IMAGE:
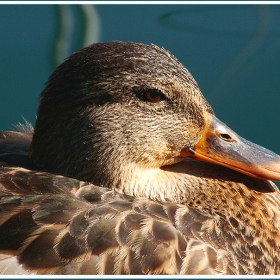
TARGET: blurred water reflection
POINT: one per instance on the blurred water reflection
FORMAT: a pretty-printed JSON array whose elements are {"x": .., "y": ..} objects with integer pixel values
[{"x": 77, "y": 26}]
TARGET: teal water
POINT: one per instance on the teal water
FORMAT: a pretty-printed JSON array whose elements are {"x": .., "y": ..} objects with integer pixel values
[{"x": 231, "y": 50}]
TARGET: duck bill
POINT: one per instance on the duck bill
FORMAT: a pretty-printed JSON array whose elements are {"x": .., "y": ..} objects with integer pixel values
[{"x": 221, "y": 145}]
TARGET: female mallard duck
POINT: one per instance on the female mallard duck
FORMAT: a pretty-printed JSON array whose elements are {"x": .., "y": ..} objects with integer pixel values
[{"x": 128, "y": 127}]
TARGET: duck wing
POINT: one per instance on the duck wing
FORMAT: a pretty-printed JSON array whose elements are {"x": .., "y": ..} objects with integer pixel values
[{"x": 51, "y": 224}]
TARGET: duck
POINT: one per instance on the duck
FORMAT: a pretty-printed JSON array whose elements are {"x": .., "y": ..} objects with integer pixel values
[{"x": 128, "y": 171}]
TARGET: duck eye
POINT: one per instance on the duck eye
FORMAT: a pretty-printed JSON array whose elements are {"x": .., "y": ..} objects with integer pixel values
[{"x": 154, "y": 95}]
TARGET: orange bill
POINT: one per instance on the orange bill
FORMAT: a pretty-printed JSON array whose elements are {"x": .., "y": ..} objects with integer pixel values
[{"x": 221, "y": 145}]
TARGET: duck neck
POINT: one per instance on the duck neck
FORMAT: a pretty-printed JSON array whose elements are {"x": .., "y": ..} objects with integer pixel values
[{"x": 197, "y": 184}]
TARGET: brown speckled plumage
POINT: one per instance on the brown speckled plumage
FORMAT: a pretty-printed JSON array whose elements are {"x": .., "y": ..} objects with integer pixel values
[{"x": 106, "y": 189}]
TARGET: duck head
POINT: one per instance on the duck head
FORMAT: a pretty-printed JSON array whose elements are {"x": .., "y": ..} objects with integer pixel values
[{"x": 130, "y": 117}]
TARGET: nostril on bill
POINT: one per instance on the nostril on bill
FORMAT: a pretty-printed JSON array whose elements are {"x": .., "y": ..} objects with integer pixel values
[{"x": 226, "y": 137}]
